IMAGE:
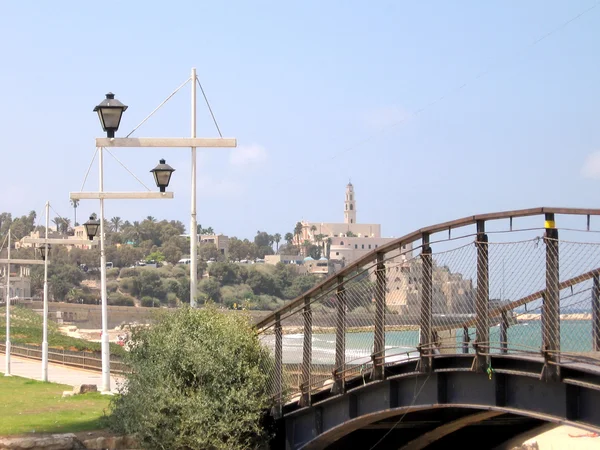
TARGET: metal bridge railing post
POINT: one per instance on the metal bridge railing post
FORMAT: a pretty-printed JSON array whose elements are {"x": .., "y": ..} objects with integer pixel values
[
  {"x": 278, "y": 367},
  {"x": 340, "y": 338},
  {"x": 465, "y": 340},
  {"x": 426, "y": 306},
  {"x": 596, "y": 313},
  {"x": 482, "y": 300},
  {"x": 504, "y": 332},
  {"x": 305, "y": 387},
  {"x": 378, "y": 355},
  {"x": 551, "y": 305}
]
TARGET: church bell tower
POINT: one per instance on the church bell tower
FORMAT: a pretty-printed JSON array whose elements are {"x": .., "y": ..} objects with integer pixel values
[{"x": 350, "y": 205}]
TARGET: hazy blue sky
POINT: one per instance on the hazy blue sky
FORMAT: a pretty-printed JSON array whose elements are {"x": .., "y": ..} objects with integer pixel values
[{"x": 316, "y": 93}]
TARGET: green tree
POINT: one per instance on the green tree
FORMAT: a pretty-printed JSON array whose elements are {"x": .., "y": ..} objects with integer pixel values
[
  {"x": 156, "y": 256},
  {"x": 216, "y": 392},
  {"x": 224, "y": 273},
  {"x": 211, "y": 288},
  {"x": 261, "y": 283},
  {"x": 208, "y": 251}
]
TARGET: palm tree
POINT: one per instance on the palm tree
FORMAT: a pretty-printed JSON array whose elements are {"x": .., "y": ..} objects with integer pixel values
[
  {"x": 63, "y": 225},
  {"x": 306, "y": 246},
  {"x": 57, "y": 221},
  {"x": 298, "y": 231},
  {"x": 289, "y": 237},
  {"x": 116, "y": 224},
  {"x": 151, "y": 219},
  {"x": 75, "y": 204},
  {"x": 313, "y": 229},
  {"x": 277, "y": 238}
]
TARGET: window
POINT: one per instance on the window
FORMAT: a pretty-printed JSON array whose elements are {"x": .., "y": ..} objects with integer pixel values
[
  {"x": 363, "y": 246},
  {"x": 369, "y": 246},
  {"x": 337, "y": 253},
  {"x": 341, "y": 242},
  {"x": 350, "y": 197},
  {"x": 375, "y": 245},
  {"x": 351, "y": 206},
  {"x": 351, "y": 221},
  {"x": 355, "y": 246},
  {"x": 346, "y": 207}
]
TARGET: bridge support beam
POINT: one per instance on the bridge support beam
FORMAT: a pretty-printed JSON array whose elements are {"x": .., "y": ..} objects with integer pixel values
[
  {"x": 278, "y": 381},
  {"x": 596, "y": 314},
  {"x": 305, "y": 387},
  {"x": 426, "y": 306},
  {"x": 340, "y": 338},
  {"x": 378, "y": 355},
  {"x": 551, "y": 304},
  {"x": 482, "y": 301}
]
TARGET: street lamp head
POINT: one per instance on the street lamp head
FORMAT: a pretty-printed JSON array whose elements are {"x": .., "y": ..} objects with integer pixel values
[
  {"x": 44, "y": 251},
  {"x": 91, "y": 227},
  {"x": 162, "y": 175},
  {"x": 110, "y": 111}
]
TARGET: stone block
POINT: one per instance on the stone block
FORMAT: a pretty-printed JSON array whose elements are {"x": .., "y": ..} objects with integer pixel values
[{"x": 84, "y": 388}]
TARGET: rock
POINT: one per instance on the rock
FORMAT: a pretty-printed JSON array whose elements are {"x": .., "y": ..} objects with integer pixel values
[
  {"x": 68, "y": 394},
  {"x": 53, "y": 442},
  {"x": 84, "y": 388}
]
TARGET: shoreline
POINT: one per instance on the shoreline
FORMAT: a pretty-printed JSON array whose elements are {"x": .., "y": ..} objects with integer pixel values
[{"x": 522, "y": 318}]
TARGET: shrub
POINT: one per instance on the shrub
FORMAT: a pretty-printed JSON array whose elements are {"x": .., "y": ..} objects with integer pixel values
[
  {"x": 117, "y": 299},
  {"x": 150, "y": 302},
  {"x": 216, "y": 394},
  {"x": 172, "y": 300},
  {"x": 112, "y": 286},
  {"x": 112, "y": 274},
  {"x": 129, "y": 285},
  {"x": 128, "y": 272}
]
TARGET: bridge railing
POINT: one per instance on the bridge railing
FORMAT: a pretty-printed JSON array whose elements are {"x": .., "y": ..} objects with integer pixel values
[
  {"x": 454, "y": 288},
  {"x": 79, "y": 359}
]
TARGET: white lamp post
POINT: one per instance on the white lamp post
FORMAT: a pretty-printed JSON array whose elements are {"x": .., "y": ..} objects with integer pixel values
[
  {"x": 193, "y": 142},
  {"x": 110, "y": 112},
  {"x": 8, "y": 261},
  {"x": 44, "y": 248}
]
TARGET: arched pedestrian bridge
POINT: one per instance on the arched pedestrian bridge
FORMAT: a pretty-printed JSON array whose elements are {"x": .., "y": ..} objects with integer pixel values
[{"x": 487, "y": 323}]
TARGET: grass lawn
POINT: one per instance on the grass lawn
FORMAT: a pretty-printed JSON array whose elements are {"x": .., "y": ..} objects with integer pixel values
[
  {"x": 28, "y": 406},
  {"x": 26, "y": 328}
]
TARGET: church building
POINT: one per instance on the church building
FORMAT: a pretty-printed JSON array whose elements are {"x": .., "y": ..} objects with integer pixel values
[{"x": 348, "y": 240}]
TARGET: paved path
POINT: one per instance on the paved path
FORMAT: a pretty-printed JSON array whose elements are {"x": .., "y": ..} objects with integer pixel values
[{"x": 57, "y": 373}]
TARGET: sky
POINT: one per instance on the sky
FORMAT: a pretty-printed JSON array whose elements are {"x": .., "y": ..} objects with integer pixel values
[{"x": 434, "y": 110}]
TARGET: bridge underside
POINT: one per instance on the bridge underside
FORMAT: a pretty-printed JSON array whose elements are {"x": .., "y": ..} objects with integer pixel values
[
  {"x": 414, "y": 410},
  {"x": 440, "y": 428}
]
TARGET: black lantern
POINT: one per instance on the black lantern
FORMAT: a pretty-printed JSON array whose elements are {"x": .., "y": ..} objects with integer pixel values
[
  {"x": 43, "y": 252},
  {"x": 162, "y": 174},
  {"x": 91, "y": 227},
  {"x": 110, "y": 111}
]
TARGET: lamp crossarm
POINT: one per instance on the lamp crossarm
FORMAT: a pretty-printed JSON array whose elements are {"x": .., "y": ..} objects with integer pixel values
[
  {"x": 167, "y": 142},
  {"x": 120, "y": 195}
]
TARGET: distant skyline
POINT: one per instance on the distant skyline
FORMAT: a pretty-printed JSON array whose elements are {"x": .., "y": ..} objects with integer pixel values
[{"x": 435, "y": 110}]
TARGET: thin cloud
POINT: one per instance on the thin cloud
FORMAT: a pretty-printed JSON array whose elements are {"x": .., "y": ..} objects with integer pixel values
[
  {"x": 247, "y": 154},
  {"x": 591, "y": 167}
]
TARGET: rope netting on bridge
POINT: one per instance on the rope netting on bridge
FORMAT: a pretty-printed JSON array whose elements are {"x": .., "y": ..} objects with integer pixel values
[{"x": 532, "y": 296}]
